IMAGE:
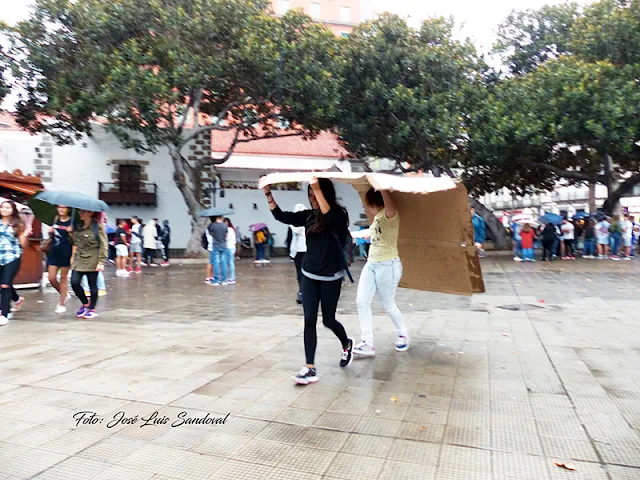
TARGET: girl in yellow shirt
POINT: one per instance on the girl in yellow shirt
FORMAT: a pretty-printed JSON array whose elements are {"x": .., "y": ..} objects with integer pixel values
[{"x": 381, "y": 273}]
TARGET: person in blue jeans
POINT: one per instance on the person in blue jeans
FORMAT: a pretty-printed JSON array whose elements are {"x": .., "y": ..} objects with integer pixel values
[
  {"x": 590, "y": 239},
  {"x": 218, "y": 231}
]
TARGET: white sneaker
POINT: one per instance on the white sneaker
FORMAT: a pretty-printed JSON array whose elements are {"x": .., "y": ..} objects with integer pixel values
[
  {"x": 3, "y": 320},
  {"x": 402, "y": 343},
  {"x": 517, "y": 259},
  {"x": 364, "y": 350},
  {"x": 60, "y": 309}
]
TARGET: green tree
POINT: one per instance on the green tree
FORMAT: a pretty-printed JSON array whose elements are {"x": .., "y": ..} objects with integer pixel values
[
  {"x": 404, "y": 92},
  {"x": 569, "y": 109},
  {"x": 157, "y": 73},
  {"x": 528, "y": 38},
  {"x": 569, "y": 120},
  {"x": 5, "y": 87}
]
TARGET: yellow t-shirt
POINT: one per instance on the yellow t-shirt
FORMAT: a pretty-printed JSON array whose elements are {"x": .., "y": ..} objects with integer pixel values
[{"x": 384, "y": 237}]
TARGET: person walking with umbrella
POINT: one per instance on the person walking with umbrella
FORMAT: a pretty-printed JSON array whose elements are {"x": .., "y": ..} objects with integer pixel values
[
  {"x": 13, "y": 238},
  {"x": 59, "y": 255},
  {"x": 90, "y": 244},
  {"x": 324, "y": 267}
]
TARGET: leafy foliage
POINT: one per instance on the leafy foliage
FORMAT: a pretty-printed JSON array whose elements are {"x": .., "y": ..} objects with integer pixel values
[
  {"x": 156, "y": 73},
  {"x": 404, "y": 92}
]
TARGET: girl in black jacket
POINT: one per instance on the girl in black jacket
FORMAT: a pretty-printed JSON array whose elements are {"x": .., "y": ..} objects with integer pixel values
[{"x": 324, "y": 266}]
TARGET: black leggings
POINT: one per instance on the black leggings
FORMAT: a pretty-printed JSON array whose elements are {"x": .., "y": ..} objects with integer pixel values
[
  {"x": 92, "y": 278},
  {"x": 298, "y": 261},
  {"x": 568, "y": 248},
  {"x": 165, "y": 251},
  {"x": 547, "y": 248},
  {"x": 316, "y": 294},
  {"x": 7, "y": 273}
]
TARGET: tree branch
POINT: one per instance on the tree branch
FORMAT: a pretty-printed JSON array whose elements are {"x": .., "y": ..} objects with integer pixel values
[
  {"x": 565, "y": 173},
  {"x": 623, "y": 189}
]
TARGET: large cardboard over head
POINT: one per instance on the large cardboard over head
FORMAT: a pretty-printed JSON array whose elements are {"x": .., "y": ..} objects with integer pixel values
[{"x": 436, "y": 236}]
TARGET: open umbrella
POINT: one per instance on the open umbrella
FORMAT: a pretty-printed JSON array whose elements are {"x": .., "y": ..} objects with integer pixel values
[
  {"x": 257, "y": 227},
  {"x": 581, "y": 215},
  {"x": 215, "y": 212},
  {"x": 530, "y": 221},
  {"x": 520, "y": 216},
  {"x": 551, "y": 218},
  {"x": 44, "y": 204}
]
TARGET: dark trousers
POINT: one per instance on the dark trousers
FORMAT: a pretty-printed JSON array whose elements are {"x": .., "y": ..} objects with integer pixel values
[
  {"x": 92, "y": 278},
  {"x": 547, "y": 248},
  {"x": 149, "y": 253},
  {"x": 7, "y": 273},
  {"x": 325, "y": 295},
  {"x": 260, "y": 251},
  {"x": 568, "y": 248},
  {"x": 165, "y": 250},
  {"x": 298, "y": 261}
]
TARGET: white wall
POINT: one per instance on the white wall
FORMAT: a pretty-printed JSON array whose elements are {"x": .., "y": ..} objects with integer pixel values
[
  {"x": 245, "y": 215},
  {"x": 80, "y": 168}
]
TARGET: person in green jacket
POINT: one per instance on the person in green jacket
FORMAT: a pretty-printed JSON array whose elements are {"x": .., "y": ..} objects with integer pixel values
[{"x": 90, "y": 247}]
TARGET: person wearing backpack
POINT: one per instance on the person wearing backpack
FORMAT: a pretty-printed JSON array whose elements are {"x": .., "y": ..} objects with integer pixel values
[
  {"x": 323, "y": 268},
  {"x": 381, "y": 274},
  {"x": 90, "y": 247}
]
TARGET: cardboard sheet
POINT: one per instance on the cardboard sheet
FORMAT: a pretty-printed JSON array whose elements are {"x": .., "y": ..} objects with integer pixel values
[{"x": 436, "y": 236}]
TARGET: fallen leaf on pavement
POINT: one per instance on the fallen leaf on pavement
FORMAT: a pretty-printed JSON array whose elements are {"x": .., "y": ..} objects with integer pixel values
[
  {"x": 564, "y": 465},
  {"x": 423, "y": 428},
  {"x": 505, "y": 334},
  {"x": 394, "y": 399},
  {"x": 542, "y": 301}
]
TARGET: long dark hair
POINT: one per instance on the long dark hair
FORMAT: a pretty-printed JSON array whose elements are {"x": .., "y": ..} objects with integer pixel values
[
  {"x": 15, "y": 220},
  {"x": 329, "y": 192},
  {"x": 229, "y": 223}
]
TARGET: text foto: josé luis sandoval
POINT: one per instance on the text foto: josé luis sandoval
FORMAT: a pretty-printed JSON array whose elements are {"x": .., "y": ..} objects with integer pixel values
[{"x": 87, "y": 417}]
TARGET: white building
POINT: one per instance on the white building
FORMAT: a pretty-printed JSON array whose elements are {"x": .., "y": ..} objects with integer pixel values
[{"x": 143, "y": 185}]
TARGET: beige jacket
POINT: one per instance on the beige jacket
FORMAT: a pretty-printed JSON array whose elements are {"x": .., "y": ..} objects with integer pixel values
[{"x": 89, "y": 250}]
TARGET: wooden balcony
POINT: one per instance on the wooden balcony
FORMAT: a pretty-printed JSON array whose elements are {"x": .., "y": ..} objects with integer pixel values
[{"x": 128, "y": 194}]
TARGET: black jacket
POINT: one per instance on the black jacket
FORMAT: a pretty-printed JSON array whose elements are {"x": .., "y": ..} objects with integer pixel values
[
  {"x": 549, "y": 233},
  {"x": 324, "y": 256}
]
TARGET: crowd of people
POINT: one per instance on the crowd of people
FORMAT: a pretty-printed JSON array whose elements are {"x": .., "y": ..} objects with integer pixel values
[
  {"x": 614, "y": 238},
  {"x": 136, "y": 245}
]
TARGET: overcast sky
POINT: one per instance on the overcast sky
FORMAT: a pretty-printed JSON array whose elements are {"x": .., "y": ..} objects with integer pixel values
[{"x": 475, "y": 19}]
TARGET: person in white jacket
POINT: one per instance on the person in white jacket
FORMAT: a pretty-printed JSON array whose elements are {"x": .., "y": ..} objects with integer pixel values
[
  {"x": 230, "y": 259},
  {"x": 150, "y": 237},
  {"x": 298, "y": 249}
]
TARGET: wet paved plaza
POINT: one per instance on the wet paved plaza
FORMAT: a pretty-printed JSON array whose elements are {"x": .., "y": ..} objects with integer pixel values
[{"x": 544, "y": 367}]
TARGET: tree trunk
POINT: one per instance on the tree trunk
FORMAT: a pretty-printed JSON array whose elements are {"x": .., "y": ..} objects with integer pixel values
[
  {"x": 592, "y": 198},
  {"x": 194, "y": 246},
  {"x": 611, "y": 204},
  {"x": 495, "y": 230}
]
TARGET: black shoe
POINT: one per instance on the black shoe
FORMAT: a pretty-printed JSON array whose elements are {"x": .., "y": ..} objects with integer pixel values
[
  {"x": 299, "y": 298},
  {"x": 306, "y": 376},
  {"x": 347, "y": 355}
]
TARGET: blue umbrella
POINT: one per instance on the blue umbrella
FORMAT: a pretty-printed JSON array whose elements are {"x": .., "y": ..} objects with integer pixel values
[
  {"x": 44, "y": 204},
  {"x": 111, "y": 229},
  {"x": 215, "y": 212},
  {"x": 551, "y": 218},
  {"x": 581, "y": 215}
]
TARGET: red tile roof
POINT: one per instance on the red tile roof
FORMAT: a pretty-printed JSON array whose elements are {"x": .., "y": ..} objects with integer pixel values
[
  {"x": 325, "y": 145},
  {"x": 8, "y": 122}
]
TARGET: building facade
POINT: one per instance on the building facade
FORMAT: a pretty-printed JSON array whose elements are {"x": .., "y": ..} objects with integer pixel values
[
  {"x": 341, "y": 16},
  {"x": 143, "y": 185}
]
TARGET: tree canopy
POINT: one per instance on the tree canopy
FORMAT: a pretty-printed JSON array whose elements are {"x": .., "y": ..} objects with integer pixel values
[
  {"x": 156, "y": 73},
  {"x": 568, "y": 108},
  {"x": 404, "y": 91}
]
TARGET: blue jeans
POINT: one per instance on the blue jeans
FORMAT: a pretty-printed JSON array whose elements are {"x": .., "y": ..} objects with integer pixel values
[
  {"x": 219, "y": 255},
  {"x": 517, "y": 252},
  {"x": 230, "y": 262},
  {"x": 616, "y": 240},
  {"x": 260, "y": 251},
  {"x": 101, "y": 284},
  {"x": 383, "y": 278},
  {"x": 527, "y": 253},
  {"x": 589, "y": 246}
]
